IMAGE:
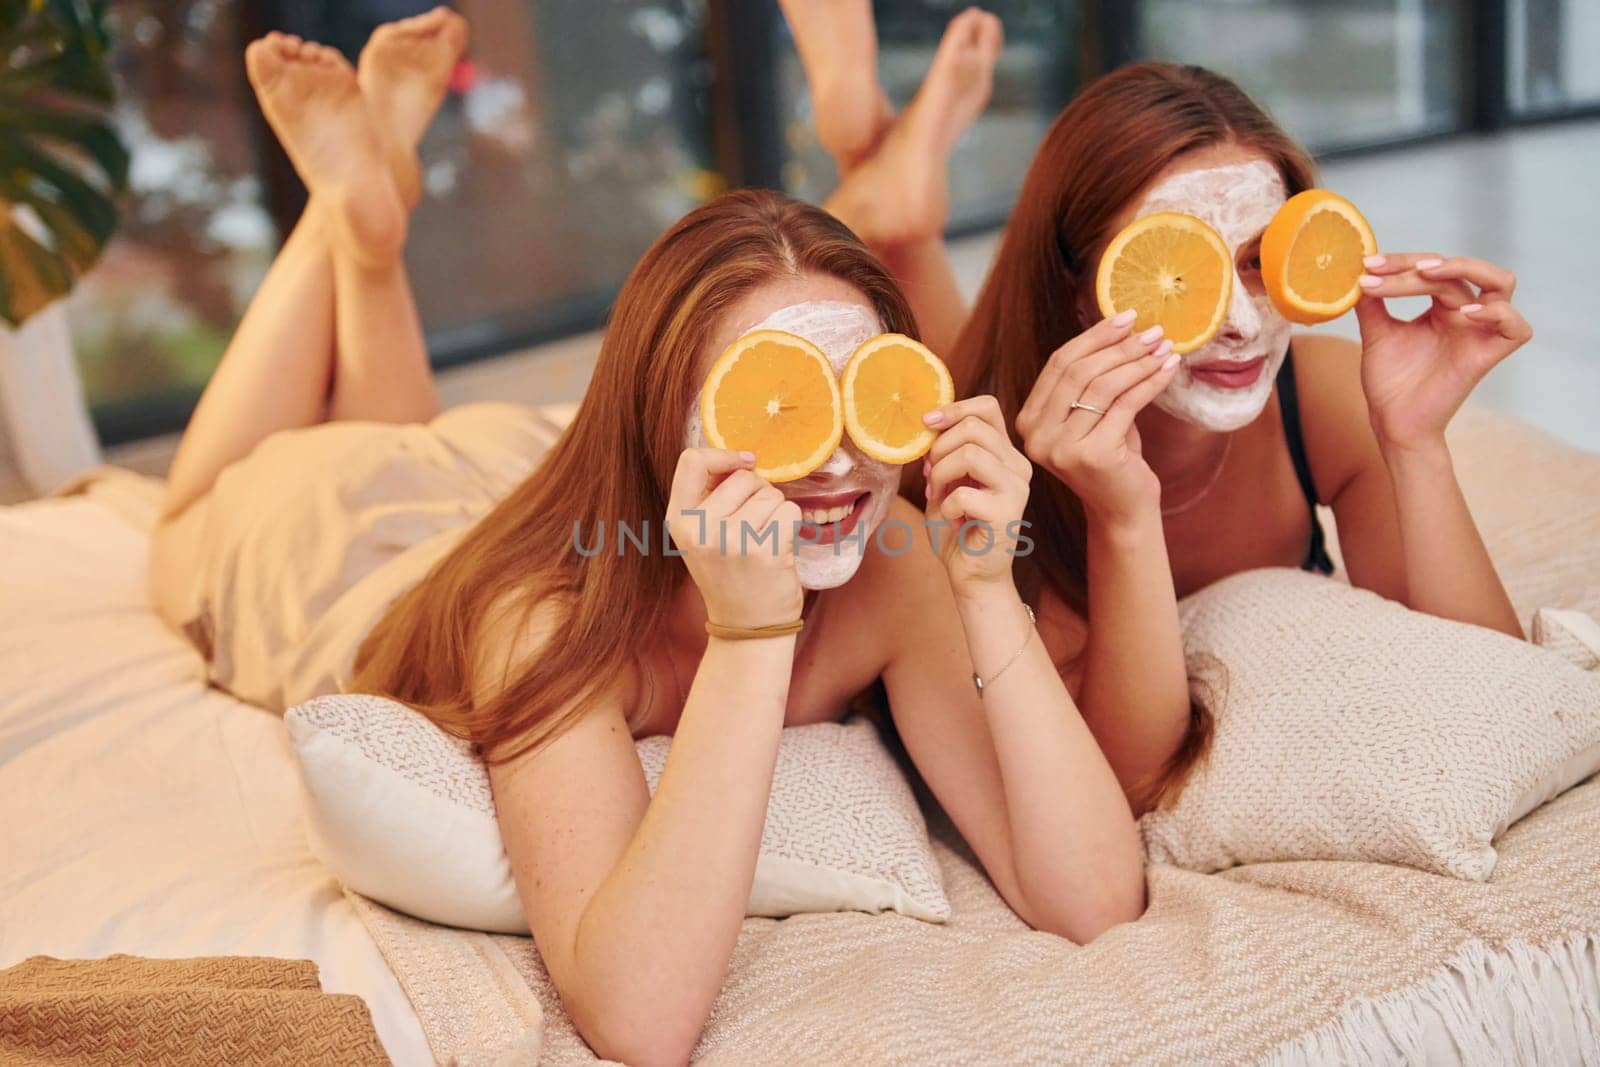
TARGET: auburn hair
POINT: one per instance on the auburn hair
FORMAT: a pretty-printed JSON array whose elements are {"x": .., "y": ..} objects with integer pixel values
[
  {"x": 1114, "y": 138},
  {"x": 613, "y": 464}
]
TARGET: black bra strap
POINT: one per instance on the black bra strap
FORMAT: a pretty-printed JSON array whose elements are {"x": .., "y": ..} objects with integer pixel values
[{"x": 1317, "y": 557}]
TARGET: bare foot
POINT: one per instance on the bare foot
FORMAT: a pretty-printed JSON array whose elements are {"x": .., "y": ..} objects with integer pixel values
[
  {"x": 311, "y": 99},
  {"x": 838, "y": 48},
  {"x": 900, "y": 195},
  {"x": 403, "y": 72}
]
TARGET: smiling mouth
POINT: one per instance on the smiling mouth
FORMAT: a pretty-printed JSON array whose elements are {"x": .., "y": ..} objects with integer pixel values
[
  {"x": 828, "y": 517},
  {"x": 1228, "y": 374}
]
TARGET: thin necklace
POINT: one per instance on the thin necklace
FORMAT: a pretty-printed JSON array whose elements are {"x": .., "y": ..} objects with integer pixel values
[{"x": 1211, "y": 483}]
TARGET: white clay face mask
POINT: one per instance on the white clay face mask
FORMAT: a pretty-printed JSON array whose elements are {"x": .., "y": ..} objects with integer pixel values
[
  {"x": 837, "y": 328},
  {"x": 1238, "y": 201}
]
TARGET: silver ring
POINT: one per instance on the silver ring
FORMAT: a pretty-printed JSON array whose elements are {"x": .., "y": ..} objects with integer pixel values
[{"x": 1078, "y": 405}]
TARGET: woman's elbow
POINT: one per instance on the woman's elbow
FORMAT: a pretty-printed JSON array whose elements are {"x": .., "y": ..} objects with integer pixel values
[
  {"x": 1115, "y": 899},
  {"x": 637, "y": 1034}
]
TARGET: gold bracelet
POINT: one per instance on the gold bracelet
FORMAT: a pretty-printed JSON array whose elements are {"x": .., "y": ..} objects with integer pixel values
[
  {"x": 751, "y": 633},
  {"x": 979, "y": 682}
]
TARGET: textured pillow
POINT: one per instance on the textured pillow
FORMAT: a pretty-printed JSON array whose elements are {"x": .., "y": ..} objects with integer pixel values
[
  {"x": 1351, "y": 728},
  {"x": 402, "y": 813}
]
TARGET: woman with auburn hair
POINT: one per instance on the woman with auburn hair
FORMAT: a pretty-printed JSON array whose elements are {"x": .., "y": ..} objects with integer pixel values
[
  {"x": 1166, "y": 474},
  {"x": 552, "y": 657}
]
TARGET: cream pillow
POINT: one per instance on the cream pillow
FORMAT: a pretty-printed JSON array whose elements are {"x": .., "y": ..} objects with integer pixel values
[
  {"x": 1350, "y": 728},
  {"x": 402, "y": 812}
]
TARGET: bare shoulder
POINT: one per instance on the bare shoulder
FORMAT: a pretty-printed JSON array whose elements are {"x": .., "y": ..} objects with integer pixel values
[
  {"x": 1333, "y": 411},
  {"x": 512, "y": 633}
]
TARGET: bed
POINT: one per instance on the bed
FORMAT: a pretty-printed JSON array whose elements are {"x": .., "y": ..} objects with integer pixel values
[{"x": 145, "y": 813}]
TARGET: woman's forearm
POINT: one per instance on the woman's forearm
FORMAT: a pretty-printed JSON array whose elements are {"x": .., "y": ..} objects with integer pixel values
[
  {"x": 1135, "y": 691},
  {"x": 1448, "y": 569},
  {"x": 653, "y": 945},
  {"x": 1075, "y": 848}
]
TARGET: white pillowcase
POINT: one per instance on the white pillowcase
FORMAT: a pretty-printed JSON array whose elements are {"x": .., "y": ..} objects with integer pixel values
[
  {"x": 1351, "y": 728},
  {"x": 402, "y": 812}
]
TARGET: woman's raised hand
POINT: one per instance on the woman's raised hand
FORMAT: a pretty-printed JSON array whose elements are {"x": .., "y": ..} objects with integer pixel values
[
  {"x": 1078, "y": 424},
  {"x": 736, "y": 532},
  {"x": 977, "y": 483},
  {"x": 1417, "y": 373}
]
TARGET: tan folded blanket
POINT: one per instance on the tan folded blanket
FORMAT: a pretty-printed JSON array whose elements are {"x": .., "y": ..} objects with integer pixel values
[{"x": 228, "y": 1010}]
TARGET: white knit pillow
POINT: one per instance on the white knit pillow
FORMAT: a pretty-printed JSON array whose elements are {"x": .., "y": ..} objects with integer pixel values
[
  {"x": 402, "y": 813},
  {"x": 1350, "y": 728}
]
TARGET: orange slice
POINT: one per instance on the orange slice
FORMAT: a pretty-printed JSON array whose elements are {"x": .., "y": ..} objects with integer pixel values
[
  {"x": 890, "y": 382},
  {"x": 1311, "y": 256},
  {"x": 1174, "y": 271},
  {"x": 774, "y": 394}
]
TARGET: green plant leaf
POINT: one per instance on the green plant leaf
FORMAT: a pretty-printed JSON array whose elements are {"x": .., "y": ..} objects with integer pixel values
[{"x": 61, "y": 161}]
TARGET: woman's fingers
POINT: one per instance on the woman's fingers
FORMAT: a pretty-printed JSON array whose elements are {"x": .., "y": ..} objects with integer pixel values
[
  {"x": 1447, "y": 292},
  {"x": 701, "y": 468},
  {"x": 970, "y": 461},
  {"x": 986, "y": 429},
  {"x": 1497, "y": 283},
  {"x": 1395, "y": 262},
  {"x": 732, "y": 494},
  {"x": 981, "y": 408},
  {"x": 1100, "y": 337},
  {"x": 756, "y": 515},
  {"x": 1103, "y": 392},
  {"x": 1078, "y": 378},
  {"x": 1501, "y": 318},
  {"x": 1118, "y": 419},
  {"x": 969, "y": 503}
]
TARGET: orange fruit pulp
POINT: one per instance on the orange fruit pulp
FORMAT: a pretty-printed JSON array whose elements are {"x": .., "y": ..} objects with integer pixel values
[
  {"x": 1311, "y": 256},
  {"x": 1174, "y": 271},
  {"x": 889, "y": 384},
  {"x": 774, "y": 394}
]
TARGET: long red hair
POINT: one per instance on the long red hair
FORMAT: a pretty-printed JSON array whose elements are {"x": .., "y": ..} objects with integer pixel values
[
  {"x": 1115, "y": 137},
  {"x": 614, "y": 464}
]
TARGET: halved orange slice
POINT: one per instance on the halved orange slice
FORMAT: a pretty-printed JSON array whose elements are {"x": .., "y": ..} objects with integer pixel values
[
  {"x": 774, "y": 394},
  {"x": 890, "y": 382},
  {"x": 1311, "y": 256},
  {"x": 1174, "y": 271}
]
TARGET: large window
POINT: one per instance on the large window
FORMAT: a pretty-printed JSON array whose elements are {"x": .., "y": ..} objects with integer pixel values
[
  {"x": 1553, "y": 55},
  {"x": 576, "y": 131},
  {"x": 1334, "y": 74}
]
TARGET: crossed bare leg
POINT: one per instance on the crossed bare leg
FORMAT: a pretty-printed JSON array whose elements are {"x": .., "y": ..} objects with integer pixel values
[
  {"x": 893, "y": 189},
  {"x": 332, "y": 332},
  {"x": 404, "y": 70},
  {"x": 314, "y": 105},
  {"x": 838, "y": 47}
]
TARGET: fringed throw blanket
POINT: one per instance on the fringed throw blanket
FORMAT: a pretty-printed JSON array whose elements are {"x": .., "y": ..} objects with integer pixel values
[
  {"x": 231, "y": 1010},
  {"x": 1289, "y": 962}
]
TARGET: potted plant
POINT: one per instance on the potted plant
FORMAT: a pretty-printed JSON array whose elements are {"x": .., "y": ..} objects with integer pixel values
[{"x": 61, "y": 168}]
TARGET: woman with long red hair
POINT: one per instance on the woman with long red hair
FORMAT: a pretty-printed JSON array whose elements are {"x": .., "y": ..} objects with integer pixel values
[
  {"x": 553, "y": 655},
  {"x": 1164, "y": 474}
]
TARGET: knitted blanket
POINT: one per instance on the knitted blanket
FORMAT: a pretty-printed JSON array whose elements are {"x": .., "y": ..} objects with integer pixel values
[
  {"x": 230, "y": 1010},
  {"x": 1285, "y": 962}
]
